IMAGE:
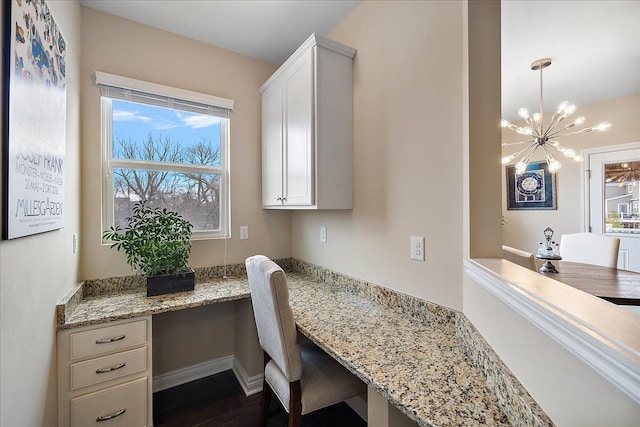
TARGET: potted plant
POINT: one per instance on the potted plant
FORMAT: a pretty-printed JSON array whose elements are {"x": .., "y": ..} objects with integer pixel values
[{"x": 157, "y": 243}]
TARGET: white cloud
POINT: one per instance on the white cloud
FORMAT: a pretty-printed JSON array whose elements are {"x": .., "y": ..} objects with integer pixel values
[
  {"x": 166, "y": 126},
  {"x": 196, "y": 122},
  {"x": 129, "y": 116}
]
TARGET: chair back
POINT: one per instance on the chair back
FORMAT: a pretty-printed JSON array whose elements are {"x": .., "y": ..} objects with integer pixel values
[
  {"x": 516, "y": 256},
  {"x": 589, "y": 248},
  {"x": 274, "y": 318}
]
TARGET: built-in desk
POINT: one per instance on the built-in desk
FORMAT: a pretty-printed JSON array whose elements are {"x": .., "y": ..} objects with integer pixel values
[{"x": 426, "y": 360}]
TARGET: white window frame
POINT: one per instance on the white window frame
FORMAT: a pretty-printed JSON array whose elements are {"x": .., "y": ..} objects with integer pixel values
[{"x": 109, "y": 163}]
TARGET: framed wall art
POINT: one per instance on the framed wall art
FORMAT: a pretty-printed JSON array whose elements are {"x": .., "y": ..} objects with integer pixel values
[
  {"x": 34, "y": 120},
  {"x": 535, "y": 188}
]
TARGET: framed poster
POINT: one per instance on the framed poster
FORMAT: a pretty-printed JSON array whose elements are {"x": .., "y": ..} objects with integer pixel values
[
  {"x": 535, "y": 188},
  {"x": 34, "y": 120}
]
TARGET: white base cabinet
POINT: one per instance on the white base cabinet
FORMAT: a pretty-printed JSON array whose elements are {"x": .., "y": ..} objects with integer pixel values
[
  {"x": 104, "y": 374},
  {"x": 307, "y": 129}
]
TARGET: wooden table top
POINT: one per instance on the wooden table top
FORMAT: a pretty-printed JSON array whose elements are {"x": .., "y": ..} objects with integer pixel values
[{"x": 617, "y": 286}]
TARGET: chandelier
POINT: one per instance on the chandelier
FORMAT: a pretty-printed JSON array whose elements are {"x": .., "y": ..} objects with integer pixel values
[{"x": 544, "y": 137}]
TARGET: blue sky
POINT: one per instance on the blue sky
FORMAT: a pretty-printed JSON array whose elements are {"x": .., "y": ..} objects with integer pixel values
[{"x": 136, "y": 121}]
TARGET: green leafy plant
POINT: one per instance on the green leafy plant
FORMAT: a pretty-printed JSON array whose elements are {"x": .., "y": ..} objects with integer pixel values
[{"x": 156, "y": 241}]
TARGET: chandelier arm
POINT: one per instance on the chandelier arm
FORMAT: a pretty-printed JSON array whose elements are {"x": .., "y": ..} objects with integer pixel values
[
  {"x": 530, "y": 147},
  {"x": 551, "y": 160},
  {"x": 509, "y": 144},
  {"x": 559, "y": 133},
  {"x": 554, "y": 122},
  {"x": 527, "y": 156}
]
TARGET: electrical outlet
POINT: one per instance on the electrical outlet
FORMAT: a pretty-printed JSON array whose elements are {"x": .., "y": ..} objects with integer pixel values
[
  {"x": 244, "y": 232},
  {"x": 75, "y": 243},
  {"x": 323, "y": 234},
  {"x": 417, "y": 248}
]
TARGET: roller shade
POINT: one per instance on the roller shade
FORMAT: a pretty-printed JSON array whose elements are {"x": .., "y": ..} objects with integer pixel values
[{"x": 126, "y": 89}]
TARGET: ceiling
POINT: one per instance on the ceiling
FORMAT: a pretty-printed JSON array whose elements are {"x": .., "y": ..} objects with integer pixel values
[
  {"x": 594, "y": 45},
  {"x": 270, "y": 30}
]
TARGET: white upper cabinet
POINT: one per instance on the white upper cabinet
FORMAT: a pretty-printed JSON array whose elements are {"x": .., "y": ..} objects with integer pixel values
[{"x": 307, "y": 149}]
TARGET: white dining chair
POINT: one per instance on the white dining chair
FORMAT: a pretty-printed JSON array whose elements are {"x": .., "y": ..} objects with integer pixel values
[
  {"x": 303, "y": 377},
  {"x": 517, "y": 256},
  {"x": 589, "y": 248}
]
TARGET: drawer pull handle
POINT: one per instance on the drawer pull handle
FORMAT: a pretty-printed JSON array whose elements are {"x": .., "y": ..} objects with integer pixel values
[
  {"x": 111, "y": 416},
  {"x": 108, "y": 340},
  {"x": 110, "y": 368}
]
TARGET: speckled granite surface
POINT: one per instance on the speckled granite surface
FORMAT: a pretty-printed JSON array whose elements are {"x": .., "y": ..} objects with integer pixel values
[
  {"x": 515, "y": 402},
  {"x": 427, "y": 360},
  {"x": 417, "y": 366},
  {"x": 110, "y": 307}
]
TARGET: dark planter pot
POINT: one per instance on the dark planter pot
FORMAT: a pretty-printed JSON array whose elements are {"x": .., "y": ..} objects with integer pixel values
[{"x": 170, "y": 283}]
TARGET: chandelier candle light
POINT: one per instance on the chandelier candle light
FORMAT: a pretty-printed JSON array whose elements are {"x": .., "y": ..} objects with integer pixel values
[{"x": 544, "y": 137}]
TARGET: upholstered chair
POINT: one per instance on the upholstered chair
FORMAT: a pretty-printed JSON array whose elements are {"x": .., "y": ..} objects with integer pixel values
[
  {"x": 589, "y": 248},
  {"x": 302, "y": 376},
  {"x": 519, "y": 257}
]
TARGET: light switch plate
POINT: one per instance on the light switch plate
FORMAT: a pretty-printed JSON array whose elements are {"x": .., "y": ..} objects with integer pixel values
[
  {"x": 323, "y": 234},
  {"x": 244, "y": 232}
]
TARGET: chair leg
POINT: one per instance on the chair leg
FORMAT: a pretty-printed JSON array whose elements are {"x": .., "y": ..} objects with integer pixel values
[
  {"x": 266, "y": 396},
  {"x": 295, "y": 404},
  {"x": 266, "y": 400}
]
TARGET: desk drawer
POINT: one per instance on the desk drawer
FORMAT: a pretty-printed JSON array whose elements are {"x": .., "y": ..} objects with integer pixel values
[
  {"x": 120, "y": 406},
  {"x": 107, "y": 339},
  {"x": 101, "y": 369}
]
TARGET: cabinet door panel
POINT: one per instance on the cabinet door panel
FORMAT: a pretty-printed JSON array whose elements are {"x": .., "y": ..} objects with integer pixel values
[
  {"x": 299, "y": 148},
  {"x": 272, "y": 190}
]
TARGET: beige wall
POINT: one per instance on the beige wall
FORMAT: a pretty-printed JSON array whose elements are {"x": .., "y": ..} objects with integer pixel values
[
  {"x": 523, "y": 229},
  {"x": 36, "y": 271},
  {"x": 126, "y": 48},
  {"x": 189, "y": 337},
  {"x": 122, "y": 47},
  {"x": 407, "y": 153}
]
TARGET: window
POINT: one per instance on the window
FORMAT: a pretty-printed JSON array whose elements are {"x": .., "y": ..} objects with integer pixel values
[{"x": 166, "y": 146}]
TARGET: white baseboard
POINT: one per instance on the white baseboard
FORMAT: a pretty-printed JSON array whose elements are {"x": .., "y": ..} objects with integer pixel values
[
  {"x": 359, "y": 405},
  {"x": 250, "y": 385},
  {"x": 192, "y": 373}
]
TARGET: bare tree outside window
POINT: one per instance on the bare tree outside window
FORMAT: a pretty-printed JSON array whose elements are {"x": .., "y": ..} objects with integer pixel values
[
  {"x": 171, "y": 159},
  {"x": 194, "y": 195}
]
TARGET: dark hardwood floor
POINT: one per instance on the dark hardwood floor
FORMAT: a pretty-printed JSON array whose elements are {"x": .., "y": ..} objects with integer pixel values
[{"x": 218, "y": 401}]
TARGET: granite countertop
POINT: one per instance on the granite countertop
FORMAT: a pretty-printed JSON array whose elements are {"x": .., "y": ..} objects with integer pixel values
[
  {"x": 426, "y": 360},
  {"x": 135, "y": 303},
  {"x": 418, "y": 366}
]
